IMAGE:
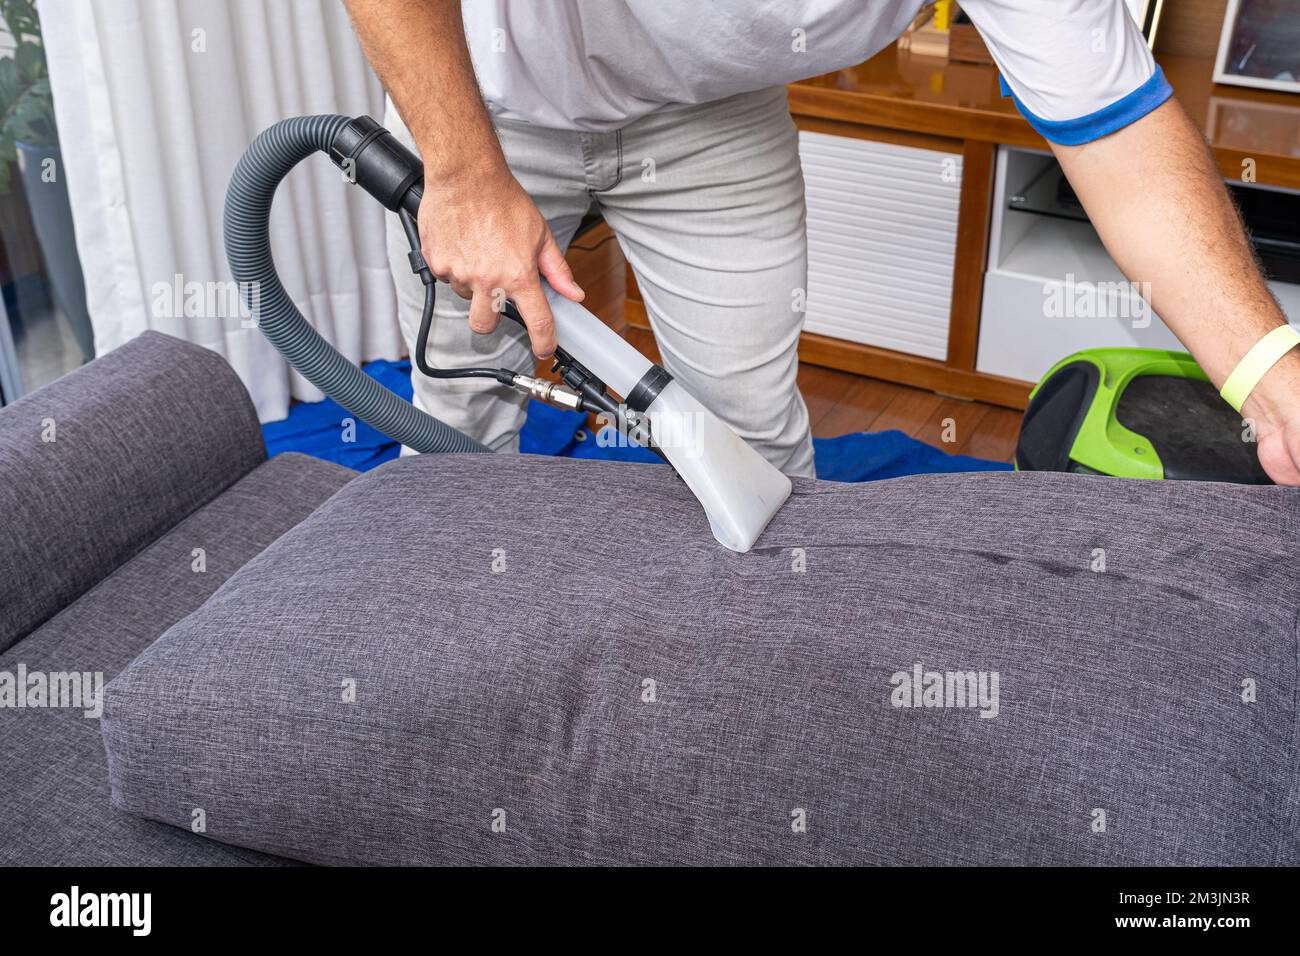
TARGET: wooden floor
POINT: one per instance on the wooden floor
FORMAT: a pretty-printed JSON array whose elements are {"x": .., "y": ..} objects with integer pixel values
[{"x": 838, "y": 402}]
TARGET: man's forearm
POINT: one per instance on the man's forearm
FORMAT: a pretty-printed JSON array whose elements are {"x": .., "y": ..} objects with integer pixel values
[
  {"x": 1158, "y": 201},
  {"x": 418, "y": 49},
  {"x": 480, "y": 232}
]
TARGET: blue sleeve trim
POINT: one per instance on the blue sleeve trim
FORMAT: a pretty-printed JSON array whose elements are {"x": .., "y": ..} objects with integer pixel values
[{"x": 1125, "y": 110}]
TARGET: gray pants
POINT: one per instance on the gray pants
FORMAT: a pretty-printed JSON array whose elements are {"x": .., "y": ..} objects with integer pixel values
[{"x": 708, "y": 205}]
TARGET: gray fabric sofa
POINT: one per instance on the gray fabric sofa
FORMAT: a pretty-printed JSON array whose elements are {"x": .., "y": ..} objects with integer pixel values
[{"x": 483, "y": 659}]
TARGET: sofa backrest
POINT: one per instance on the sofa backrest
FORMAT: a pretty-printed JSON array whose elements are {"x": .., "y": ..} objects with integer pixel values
[{"x": 96, "y": 465}]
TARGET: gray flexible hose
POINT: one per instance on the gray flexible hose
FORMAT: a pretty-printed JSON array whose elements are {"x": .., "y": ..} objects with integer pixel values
[{"x": 248, "y": 248}]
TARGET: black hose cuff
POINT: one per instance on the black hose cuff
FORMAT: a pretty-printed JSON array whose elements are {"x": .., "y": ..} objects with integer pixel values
[{"x": 645, "y": 391}]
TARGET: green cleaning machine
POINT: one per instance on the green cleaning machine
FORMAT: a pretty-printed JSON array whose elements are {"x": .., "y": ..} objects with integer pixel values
[{"x": 1135, "y": 413}]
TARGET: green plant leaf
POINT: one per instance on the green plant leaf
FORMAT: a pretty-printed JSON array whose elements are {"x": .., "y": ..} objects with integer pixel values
[
  {"x": 10, "y": 82},
  {"x": 21, "y": 18},
  {"x": 26, "y": 104},
  {"x": 30, "y": 60}
]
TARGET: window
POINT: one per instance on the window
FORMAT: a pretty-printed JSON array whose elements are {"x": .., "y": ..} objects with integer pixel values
[{"x": 45, "y": 328}]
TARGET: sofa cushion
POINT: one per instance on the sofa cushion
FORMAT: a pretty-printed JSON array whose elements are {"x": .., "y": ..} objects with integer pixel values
[
  {"x": 54, "y": 795},
  {"x": 96, "y": 465},
  {"x": 491, "y": 659}
]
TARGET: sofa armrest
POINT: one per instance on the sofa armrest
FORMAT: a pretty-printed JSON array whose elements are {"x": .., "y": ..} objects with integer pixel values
[{"x": 96, "y": 465}]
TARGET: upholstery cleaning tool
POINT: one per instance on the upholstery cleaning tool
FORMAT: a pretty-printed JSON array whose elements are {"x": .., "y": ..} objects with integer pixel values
[{"x": 739, "y": 489}]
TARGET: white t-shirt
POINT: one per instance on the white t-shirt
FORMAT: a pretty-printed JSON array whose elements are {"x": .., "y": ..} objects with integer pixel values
[{"x": 1078, "y": 69}]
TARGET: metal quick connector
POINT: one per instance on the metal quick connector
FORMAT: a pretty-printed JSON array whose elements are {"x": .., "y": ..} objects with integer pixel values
[{"x": 551, "y": 392}]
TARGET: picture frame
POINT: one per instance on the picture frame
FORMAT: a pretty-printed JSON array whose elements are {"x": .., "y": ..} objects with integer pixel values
[
  {"x": 1146, "y": 14},
  {"x": 1259, "y": 46}
]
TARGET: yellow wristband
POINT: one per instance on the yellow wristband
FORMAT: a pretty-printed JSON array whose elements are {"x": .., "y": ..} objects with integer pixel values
[{"x": 1256, "y": 362}]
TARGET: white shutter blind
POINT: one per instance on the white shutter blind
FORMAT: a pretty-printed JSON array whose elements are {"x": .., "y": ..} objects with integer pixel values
[{"x": 882, "y": 231}]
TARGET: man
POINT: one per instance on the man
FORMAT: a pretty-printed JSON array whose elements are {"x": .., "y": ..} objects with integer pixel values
[{"x": 672, "y": 115}]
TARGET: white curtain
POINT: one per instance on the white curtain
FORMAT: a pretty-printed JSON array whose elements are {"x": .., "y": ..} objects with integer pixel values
[{"x": 156, "y": 101}]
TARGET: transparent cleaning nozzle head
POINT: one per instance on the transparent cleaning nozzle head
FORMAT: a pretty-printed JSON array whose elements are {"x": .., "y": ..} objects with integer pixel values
[{"x": 739, "y": 489}]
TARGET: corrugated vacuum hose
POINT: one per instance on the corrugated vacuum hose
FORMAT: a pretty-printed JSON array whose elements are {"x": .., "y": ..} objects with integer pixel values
[{"x": 248, "y": 248}]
